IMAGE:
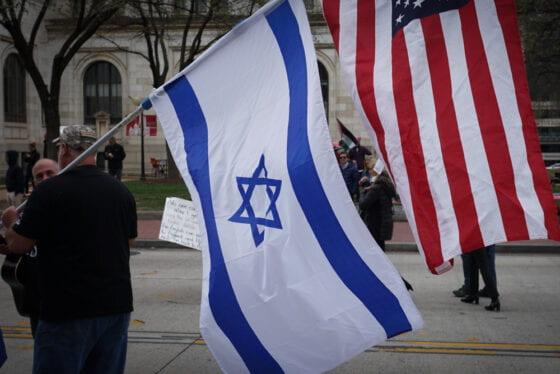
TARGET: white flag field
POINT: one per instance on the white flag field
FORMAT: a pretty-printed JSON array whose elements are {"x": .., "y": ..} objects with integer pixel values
[{"x": 292, "y": 279}]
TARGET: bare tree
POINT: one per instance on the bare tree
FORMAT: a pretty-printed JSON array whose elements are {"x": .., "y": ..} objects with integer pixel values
[
  {"x": 157, "y": 19},
  {"x": 539, "y": 20},
  {"x": 88, "y": 16}
]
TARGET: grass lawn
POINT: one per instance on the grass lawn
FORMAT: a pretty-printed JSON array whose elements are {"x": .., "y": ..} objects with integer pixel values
[{"x": 150, "y": 195}]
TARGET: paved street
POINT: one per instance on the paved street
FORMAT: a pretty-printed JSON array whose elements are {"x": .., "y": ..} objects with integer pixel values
[{"x": 457, "y": 338}]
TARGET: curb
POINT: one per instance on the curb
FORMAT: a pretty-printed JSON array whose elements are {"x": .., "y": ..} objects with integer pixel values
[
  {"x": 500, "y": 248},
  {"x": 391, "y": 247}
]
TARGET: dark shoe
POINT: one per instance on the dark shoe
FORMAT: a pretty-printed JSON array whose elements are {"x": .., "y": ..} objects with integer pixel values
[
  {"x": 494, "y": 305},
  {"x": 470, "y": 299},
  {"x": 407, "y": 285},
  {"x": 460, "y": 292},
  {"x": 483, "y": 293}
]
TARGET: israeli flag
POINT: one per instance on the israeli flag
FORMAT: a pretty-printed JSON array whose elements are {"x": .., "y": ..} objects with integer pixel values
[{"x": 292, "y": 279}]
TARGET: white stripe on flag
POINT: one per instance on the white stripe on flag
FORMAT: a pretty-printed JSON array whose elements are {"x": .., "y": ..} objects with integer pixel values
[
  {"x": 384, "y": 101},
  {"x": 484, "y": 194},
  {"x": 220, "y": 345},
  {"x": 502, "y": 80},
  {"x": 429, "y": 137}
]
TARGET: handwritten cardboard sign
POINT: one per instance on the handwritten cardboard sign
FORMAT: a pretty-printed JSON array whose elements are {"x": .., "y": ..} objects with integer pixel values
[{"x": 180, "y": 223}]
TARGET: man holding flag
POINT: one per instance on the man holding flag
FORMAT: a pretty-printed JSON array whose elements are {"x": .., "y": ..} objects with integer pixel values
[{"x": 292, "y": 280}]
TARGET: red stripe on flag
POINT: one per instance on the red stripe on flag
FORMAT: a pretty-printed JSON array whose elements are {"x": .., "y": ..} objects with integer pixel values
[
  {"x": 331, "y": 10},
  {"x": 508, "y": 21},
  {"x": 365, "y": 60},
  {"x": 470, "y": 235},
  {"x": 491, "y": 126},
  {"x": 421, "y": 196}
]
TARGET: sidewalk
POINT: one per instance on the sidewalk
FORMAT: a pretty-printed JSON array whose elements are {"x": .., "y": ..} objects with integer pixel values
[{"x": 403, "y": 240}]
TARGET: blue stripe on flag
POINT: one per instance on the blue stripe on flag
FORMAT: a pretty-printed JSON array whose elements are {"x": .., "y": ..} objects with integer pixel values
[
  {"x": 3, "y": 356},
  {"x": 223, "y": 302},
  {"x": 342, "y": 256}
]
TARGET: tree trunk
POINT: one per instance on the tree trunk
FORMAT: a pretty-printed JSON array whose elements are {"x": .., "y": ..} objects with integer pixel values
[{"x": 52, "y": 122}]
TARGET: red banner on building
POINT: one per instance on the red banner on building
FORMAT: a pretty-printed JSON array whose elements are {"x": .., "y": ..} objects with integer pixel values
[{"x": 150, "y": 126}]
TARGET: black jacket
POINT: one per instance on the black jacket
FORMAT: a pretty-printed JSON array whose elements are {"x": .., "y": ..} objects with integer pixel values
[
  {"x": 376, "y": 208},
  {"x": 14, "y": 174},
  {"x": 31, "y": 159},
  {"x": 118, "y": 153}
]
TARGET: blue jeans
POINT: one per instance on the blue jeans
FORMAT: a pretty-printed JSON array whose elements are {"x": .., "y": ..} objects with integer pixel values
[{"x": 88, "y": 345}]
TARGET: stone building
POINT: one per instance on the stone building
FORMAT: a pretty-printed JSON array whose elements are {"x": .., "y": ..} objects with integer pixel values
[{"x": 103, "y": 83}]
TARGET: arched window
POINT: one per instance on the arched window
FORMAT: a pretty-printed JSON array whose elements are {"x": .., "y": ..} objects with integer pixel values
[
  {"x": 102, "y": 92},
  {"x": 14, "y": 90},
  {"x": 324, "y": 77}
]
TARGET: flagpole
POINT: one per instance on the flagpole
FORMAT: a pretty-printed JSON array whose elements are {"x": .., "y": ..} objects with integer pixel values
[{"x": 144, "y": 105}]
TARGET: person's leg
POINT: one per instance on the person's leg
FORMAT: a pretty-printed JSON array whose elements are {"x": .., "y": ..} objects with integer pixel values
[
  {"x": 467, "y": 263},
  {"x": 118, "y": 174},
  {"x": 491, "y": 257},
  {"x": 108, "y": 356},
  {"x": 471, "y": 279},
  {"x": 481, "y": 260},
  {"x": 467, "y": 269},
  {"x": 491, "y": 288},
  {"x": 61, "y": 347}
]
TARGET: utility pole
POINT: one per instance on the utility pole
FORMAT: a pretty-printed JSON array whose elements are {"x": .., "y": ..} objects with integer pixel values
[{"x": 142, "y": 166}]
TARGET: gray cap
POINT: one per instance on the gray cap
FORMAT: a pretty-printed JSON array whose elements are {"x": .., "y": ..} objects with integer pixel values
[{"x": 77, "y": 136}]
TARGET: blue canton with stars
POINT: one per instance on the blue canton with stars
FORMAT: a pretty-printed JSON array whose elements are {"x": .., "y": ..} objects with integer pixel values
[
  {"x": 405, "y": 11},
  {"x": 246, "y": 213}
]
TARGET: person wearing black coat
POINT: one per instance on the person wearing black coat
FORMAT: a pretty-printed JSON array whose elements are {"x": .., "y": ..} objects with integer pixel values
[
  {"x": 115, "y": 154},
  {"x": 350, "y": 174},
  {"x": 14, "y": 179},
  {"x": 376, "y": 209}
]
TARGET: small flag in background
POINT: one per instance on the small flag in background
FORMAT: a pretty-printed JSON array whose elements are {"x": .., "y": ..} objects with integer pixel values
[
  {"x": 292, "y": 279},
  {"x": 442, "y": 89},
  {"x": 348, "y": 138},
  {"x": 3, "y": 356}
]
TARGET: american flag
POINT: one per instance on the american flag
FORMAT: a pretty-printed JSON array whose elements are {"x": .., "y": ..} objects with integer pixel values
[{"x": 441, "y": 87}]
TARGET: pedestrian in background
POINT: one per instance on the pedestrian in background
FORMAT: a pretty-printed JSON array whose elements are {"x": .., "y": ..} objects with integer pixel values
[
  {"x": 114, "y": 154},
  {"x": 350, "y": 174},
  {"x": 83, "y": 223},
  {"x": 14, "y": 179},
  {"x": 30, "y": 159},
  {"x": 482, "y": 260},
  {"x": 376, "y": 209},
  {"x": 358, "y": 155}
]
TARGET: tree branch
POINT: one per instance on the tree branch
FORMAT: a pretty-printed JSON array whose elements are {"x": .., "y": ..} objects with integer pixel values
[
  {"x": 37, "y": 24},
  {"x": 121, "y": 48}
]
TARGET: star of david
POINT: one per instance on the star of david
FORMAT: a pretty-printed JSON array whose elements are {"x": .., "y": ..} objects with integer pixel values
[{"x": 246, "y": 213}]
